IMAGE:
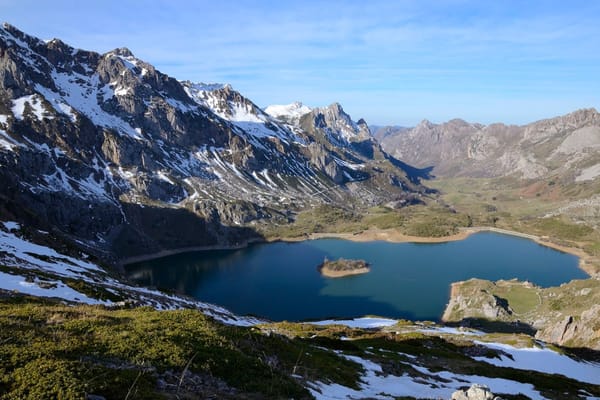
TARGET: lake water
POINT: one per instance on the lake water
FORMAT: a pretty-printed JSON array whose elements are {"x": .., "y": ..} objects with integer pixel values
[{"x": 280, "y": 281}]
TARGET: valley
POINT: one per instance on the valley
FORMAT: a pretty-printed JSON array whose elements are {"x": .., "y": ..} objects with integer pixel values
[{"x": 107, "y": 164}]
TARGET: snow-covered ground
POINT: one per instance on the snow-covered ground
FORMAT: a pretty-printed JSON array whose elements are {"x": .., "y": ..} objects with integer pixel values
[
  {"x": 431, "y": 385},
  {"x": 41, "y": 271},
  {"x": 38, "y": 288},
  {"x": 543, "y": 359},
  {"x": 366, "y": 322},
  {"x": 376, "y": 384}
]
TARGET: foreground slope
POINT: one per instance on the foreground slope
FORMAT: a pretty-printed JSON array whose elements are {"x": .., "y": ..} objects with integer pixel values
[{"x": 52, "y": 345}]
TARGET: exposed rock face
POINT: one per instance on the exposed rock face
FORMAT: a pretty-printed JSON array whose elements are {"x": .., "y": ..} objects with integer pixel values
[
  {"x": 482, "y": 305},
  {"x": 572, "y": 328},
  {"x": 559, "y": 146},
  {"x": 337, "y": 125},
  {"x": 111, "y": 152},
  {"x": 475, "y": 392},
  {"x": 568, "y": 315}
]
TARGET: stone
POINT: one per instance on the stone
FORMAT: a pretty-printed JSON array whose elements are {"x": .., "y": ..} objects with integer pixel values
[{"x": 475, "y": 392}]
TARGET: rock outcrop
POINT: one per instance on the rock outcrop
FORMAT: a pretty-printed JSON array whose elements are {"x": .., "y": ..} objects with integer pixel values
[
  {"x": 568, "y": 315},
  {"x": 475, "y": 392}
]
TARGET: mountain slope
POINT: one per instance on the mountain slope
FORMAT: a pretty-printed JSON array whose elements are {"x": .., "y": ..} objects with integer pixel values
[
  {"x": 564, "y": 146},
  {"x": 125, "y": 160}
]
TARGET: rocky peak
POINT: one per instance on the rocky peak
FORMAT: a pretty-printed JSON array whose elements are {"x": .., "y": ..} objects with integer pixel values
[
  {"x": 562, "y": 125},
  {"x": 225, "y": 101},
  {"x": 19, "y": 37},
  {"x": 338, "y": 126},
  {"x": 122, "y": 52},
  {"x": 425, "y": 124}
]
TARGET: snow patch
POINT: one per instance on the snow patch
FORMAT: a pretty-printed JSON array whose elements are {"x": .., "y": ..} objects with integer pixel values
[
  {"x": 450, "y": 331},
  {"x": 25, "y": 250},
  {"x": 81, "y": 93},
  {"x": 57, "y": 289},
  {"x": 375, "y": 385},
  {"x": 121, "y": 91},
  {"x": 366, "y": 322},
  {"x": 10, "y": 225},
  {"x": 163, "y": 177},
  {"x": 6, "y": 142},
  {"x": 291, "y": 111},
  {"x": 543, "y": 360},
  {"x": 57, "y": 102},
  {"x": 34, "y": 102}
]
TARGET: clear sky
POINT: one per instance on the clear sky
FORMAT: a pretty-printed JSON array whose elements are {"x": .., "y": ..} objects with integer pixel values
[{"x": 391, "y": 62}]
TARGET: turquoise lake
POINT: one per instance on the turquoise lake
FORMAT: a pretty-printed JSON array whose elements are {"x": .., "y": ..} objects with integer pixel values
[{"x": 280, "y": 280}]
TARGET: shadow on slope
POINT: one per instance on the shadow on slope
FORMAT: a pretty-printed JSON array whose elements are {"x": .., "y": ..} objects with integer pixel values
[
  {"x": 414, "y": 174},
  {"x": 490, "y": 326},
  {"x": 154, "y": 229}
]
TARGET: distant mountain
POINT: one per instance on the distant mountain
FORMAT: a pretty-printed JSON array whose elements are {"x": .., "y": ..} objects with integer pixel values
[
  {"x": 381, "y": 132},
  {"x": 565, "y": 146},
  {"x": 125, "y": 160}
]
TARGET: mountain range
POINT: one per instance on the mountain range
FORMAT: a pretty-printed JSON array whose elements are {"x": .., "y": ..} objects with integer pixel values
[
  {"x": 123, "y": 160},
  {"x": 565, "y": 147}
]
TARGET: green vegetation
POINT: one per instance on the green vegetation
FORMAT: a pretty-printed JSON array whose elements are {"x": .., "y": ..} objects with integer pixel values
[
  {"x": 546, "y": 308},
  {"x": 56, "y": 351},
  {"x": 557, "y": 227},
  {"x": 521, "y": 299},
  {"x": 419, "y": 220},
  {"x": 49, "y": 350},
  {"x": 343, "y": 265}
]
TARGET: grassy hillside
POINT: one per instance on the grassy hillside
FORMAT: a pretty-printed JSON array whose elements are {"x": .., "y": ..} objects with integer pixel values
[{"x": 49, "y": 350}]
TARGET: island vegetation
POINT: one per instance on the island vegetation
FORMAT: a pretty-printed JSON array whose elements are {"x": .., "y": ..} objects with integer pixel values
[{"x": 343, "y": 267}]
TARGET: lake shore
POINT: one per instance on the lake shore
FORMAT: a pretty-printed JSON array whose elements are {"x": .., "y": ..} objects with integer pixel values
[
  {"x": 388, "y": 235},
  {"x": 394, "y": 236},
  {"x": 181, "y": 250}
]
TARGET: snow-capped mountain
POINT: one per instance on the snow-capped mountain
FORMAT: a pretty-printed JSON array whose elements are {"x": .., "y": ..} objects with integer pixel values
[
  {"x": 121, "y": 157},
  {"x": 290, "y": 113}
]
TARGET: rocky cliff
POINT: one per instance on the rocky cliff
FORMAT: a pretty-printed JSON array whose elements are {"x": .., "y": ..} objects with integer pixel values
[
  {"x": 124, "y": 160},
  {"x": 567, "y": 315}
]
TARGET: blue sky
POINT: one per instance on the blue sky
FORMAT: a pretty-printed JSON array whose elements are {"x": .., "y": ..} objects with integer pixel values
[{"x": 390, "y": 62}]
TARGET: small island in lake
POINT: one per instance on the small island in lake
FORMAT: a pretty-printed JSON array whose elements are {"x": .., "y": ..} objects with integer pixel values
[{"x": 342, "y": 267}]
